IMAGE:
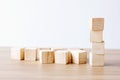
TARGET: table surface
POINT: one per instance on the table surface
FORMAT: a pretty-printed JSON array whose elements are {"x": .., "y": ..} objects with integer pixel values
[{"x": 22, "y": 70}]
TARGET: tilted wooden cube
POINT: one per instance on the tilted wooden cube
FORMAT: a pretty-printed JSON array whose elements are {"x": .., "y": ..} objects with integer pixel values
[
  {"x": 98, "y": 48},
  {"x": 38, "y": 49},
  {"x": 17, "y": 53},
  {"x": 96, "y": 36},
  {"x": 97, "y": 24},
  {"x": 46, "y": 56},
  {"x": 62, "y": 57},
  {"x": 96, "y": 60},
  {"x": 30, "y": 54},
  {"x": 79, "y": 56}
]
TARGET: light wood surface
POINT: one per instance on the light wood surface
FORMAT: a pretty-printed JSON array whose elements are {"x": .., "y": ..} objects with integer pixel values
[{"x": 24, "y": 70}]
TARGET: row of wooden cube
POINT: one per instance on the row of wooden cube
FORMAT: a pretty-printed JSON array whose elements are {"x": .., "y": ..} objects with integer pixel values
[
  {"x": 47, "y": 56},
  {"x": 96, "y": 56}
]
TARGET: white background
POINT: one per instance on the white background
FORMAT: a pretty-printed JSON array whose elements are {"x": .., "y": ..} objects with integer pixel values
[{"x": 57, "y": 23}]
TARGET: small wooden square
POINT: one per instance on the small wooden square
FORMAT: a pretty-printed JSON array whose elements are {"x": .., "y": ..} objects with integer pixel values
[
  {"x": 46, "y": 56},
  {"x": 30, "y": 54},
  {"x": 98, "y": 48},
  {"x": 79, "y": 56},
  {"x": 62, "y": 57},
  {"x": 17, "y": 53},
  {"x": 96, "y": 36},
  {"x": 96, "y": 60},
  {"x": 97, "y": 24}
]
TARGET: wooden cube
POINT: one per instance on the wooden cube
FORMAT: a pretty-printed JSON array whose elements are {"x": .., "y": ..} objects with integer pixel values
[
  {"x": 30, "y": 54},
  {"x": 96, "y": 60},
  {"x": 38, "y": 49},
  {"x": 96, "y": 36},
  {"x": 79, "y": 56},
  {"x": 62, "y": 57},
  {"x": 97, "y": 24},
  {"x": 98, "y": 48},
  {"x": 46, "y": 56},
  {"x": 17, "y": 53}
]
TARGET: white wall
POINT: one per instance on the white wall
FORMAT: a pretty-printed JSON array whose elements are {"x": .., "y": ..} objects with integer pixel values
[{"x": 57, "y": 23}]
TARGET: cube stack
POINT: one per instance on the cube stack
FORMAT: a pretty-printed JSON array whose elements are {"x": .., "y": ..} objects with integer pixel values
[{"x": 96, "y": 56}]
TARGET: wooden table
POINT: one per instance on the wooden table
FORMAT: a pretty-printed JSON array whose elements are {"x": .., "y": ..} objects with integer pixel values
[{"x": 21, "y": 70}]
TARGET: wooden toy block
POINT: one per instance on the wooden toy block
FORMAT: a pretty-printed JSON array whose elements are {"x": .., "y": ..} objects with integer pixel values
[
  {"x": 96, "y": 36},
  {"x": 98, "y": 48},
  {"x": 30, "y": 54},
  {"x": 96, "y": 60},
  {"x": 79, "y": 56},
  {"x": 46, "y": 56},
  {"x": 62, "y": 57},
  {"x": 17, "y": 53},
  {"x": 38, "y": 49},
  {"x": 97, "y": 24}
]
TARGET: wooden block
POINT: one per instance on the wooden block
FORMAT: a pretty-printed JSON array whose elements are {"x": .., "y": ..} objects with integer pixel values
[
  {"x": 46, "y": 56},
  {"x": 30, "y": 54},
  {"x": 79, "y": 56},
  {"x": 98, "y": 48},
  {"x": 97, "y": 24},
  {"x": 96, "y": 36},
  {"x": 17, "y": 53},
  {"x": 96, "y": 60},
  {"x": 38, "y": 49},
  {"x": 62, "y": 57}
]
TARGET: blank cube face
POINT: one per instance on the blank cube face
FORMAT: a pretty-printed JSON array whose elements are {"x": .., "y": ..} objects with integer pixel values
[
  {"x": 17, "y": 53},
  {"x": 51, "y": 57},
  {"x": 98, "y": 48},
  {"x": 83, "y": 58},
  {"x": 96, "y": 36},
  {"x": 61, "y": 57},
  {"x": 97, "y": 24},
  {"x": 96, "y": 60},
  {"x": 46, "y": 56},
  {"x": 79, "y": 56},
  {"x": 30, "y": 54},
  {"x": 43, "y": 57},
  {"x": 75, "y": 58}
]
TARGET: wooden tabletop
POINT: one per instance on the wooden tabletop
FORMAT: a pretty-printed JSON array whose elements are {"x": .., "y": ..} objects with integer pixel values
[{"x": 22, "y": 70}]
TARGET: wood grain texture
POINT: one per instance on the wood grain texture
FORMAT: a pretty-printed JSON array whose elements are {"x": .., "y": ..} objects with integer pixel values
[
  {"x": 30, "y": 54},
  {"x": 97, "y": 24},
  {"x": 46, "y": 56},
  {"x": 25, "y": 70},
  {"x": 96, "y": 36},
  {"x": 98, "y": 48}
]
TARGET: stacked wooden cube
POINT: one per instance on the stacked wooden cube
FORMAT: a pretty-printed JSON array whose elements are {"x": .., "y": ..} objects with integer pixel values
[{"x": 96, "y": 56}]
